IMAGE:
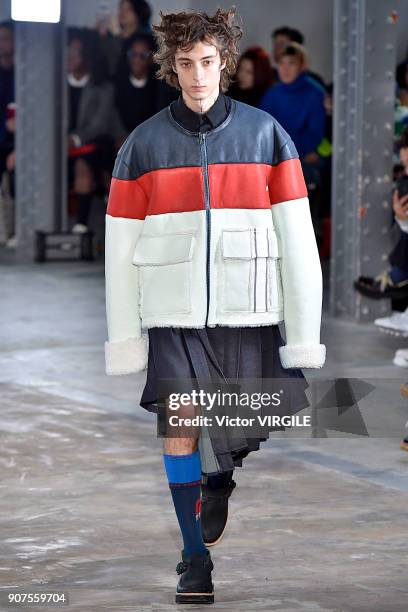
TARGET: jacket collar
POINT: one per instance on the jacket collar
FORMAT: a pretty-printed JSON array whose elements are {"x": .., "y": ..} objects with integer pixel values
[{"x": 197, "y": 122}]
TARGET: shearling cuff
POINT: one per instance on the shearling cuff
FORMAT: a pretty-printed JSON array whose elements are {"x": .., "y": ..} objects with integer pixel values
[
  {"x": 126, "y": 356},
  {"x": 302, "y": 355}
]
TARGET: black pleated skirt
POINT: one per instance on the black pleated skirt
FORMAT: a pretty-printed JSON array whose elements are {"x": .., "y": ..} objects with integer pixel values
[{"x": 236, "y": 358}]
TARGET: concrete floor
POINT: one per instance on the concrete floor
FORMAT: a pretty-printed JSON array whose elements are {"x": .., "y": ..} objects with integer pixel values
[{"x": 316, "y": 524}]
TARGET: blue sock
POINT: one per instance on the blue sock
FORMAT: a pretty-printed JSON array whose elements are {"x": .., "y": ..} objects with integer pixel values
[{"x": 184, "y": 476}]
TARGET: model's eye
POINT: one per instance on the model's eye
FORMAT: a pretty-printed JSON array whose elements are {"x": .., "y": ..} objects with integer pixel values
[
  {"x": 185, "y": 65},
  {"x": 208, "y": 61}
]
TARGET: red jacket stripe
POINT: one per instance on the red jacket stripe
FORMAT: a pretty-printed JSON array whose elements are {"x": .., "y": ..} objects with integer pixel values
[
  {"x": 126, "y": 199},
  {"x": 286, "y": 181},
  {"x": 174, "y": 190},
  {"x": 171, "y": 190},
  {"x": 239, "y": 185}
]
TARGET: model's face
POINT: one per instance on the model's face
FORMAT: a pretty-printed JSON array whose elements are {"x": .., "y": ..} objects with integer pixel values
[
  {"x": 245, "y": 74},
  {"x": 139, "y": 59},
  {"x": 289, "y": 68},
  {"x": 127, "y": 17},
  {"x": 279, "y": 44},
  {"x": 199, "y": 71}
]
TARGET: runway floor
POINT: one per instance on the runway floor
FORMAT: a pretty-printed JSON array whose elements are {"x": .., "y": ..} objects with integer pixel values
[{"x": 316, "y": 523}]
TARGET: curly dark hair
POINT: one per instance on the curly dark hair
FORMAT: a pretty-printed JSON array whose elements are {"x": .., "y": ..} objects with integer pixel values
[{"x": 184, "y": 29}]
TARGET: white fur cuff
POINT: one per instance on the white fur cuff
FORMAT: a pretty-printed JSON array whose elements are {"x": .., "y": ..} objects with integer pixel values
[
  {"x": 302, "y": 355},
  {"x": 126, "y": 356}
]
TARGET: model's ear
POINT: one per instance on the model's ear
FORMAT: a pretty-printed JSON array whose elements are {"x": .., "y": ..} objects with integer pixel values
[{"x": 174, "y": 69}]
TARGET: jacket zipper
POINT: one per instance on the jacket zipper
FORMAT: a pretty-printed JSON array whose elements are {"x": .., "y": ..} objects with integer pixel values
[{"x": 203, "y": 146}]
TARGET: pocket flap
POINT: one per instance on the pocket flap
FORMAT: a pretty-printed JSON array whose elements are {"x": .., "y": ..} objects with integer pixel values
[
  {"x": 163, "y": 250},
  {"x": 237, "y": 244},
  {"x": 273, "y": 244}
]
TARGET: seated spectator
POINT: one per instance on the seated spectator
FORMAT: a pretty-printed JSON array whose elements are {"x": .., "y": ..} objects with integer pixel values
[
  {"x": 402, "y": 82},
  {"x": 254, "y": 76},
  {"x": 393, "y": 283},
  {"x": 133, "y": 16},
  {"x": 281, "y": 37},
  {"x": 90, "y": 105},
  {"x": 138, "y": 93},
  {"x": 297, "y": 102}
]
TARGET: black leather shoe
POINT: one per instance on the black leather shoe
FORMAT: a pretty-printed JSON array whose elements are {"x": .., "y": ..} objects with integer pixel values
[
  {"x": 195, "y": 584},
  {"x": 214, "y": 512},
  {"x": 381, "y": 286}
]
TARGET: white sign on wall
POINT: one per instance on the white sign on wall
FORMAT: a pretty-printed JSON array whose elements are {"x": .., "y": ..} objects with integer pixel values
[{"x": 47, "y": 11}]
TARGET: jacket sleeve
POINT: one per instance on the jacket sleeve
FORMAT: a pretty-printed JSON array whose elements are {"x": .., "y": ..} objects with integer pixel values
[
  {"x": 127, "y": 348},
  {"x": 300, "y": 262}
]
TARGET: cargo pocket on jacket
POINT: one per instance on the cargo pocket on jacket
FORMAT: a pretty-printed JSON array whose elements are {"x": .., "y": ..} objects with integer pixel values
[
  {"x": 165, "y": 273},
  {"x": 275, "y": 290},
  {"x": 251, "y": 280},
  {"x": 237, "y": 270}
]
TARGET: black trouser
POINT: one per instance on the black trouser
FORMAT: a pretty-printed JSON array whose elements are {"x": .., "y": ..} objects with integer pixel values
[{"x": 399, "y": 257}]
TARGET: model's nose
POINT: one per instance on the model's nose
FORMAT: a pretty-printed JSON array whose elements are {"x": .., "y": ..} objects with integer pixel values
[{"x": 198, "y": 74}]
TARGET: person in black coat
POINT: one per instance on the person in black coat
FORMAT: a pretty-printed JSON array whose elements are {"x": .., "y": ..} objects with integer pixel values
[{"x": 138, "y": 93}]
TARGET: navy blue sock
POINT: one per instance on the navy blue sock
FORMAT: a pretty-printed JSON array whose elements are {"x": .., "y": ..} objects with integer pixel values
[
  {"x": 219, "y": 481},
  {"x": 184, "y": 476}
]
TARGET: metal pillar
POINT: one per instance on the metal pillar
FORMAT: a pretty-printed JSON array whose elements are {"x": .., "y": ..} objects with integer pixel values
[
  {"x": 363, "y": 127},
  {"x": 40, "y": 138}
]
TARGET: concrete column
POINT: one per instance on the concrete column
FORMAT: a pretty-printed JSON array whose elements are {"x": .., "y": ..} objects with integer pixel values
[{"x": 364, "y": 89}]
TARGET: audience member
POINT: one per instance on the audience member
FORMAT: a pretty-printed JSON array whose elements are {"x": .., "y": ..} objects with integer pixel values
[
  {"x": 138, "y": 93},
  {"x": 281, "y": 37},
  {"x": 253, "y": 76},
  {"x": 90, "y": 113},
  {"x": 297, "y": 102},
  {"x": 133, "y": 16}
]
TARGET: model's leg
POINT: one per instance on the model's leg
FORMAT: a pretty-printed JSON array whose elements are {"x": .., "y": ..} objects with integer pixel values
[
  {"x": 219, "y": 481},
  {"x": 84, "y": 186},
  {"x": 183, "y": 467}
]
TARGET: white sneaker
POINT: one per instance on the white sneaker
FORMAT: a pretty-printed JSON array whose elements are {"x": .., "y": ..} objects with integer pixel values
[
  {"x": 79, "y": 228},
  {"x": 401, "y": 358},
  {"x": 396, "y": 324}
]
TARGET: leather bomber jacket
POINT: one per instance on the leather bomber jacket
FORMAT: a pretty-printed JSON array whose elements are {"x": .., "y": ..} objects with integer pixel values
[{"x": 210, "y": 229}]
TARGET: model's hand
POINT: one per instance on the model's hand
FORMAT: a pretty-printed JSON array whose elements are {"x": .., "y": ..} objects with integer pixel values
[{"x": 400, "y": 206}]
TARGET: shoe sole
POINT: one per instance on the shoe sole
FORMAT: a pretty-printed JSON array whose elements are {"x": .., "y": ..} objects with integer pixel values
[
  {"x": 195, "y": 598},
  {"x": 378, "y": 295},
  {"x": 392, "y": 332},
  {"x": 218, "y": 539}
]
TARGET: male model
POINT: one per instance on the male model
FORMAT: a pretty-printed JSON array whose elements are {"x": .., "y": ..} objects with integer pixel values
[{"x": 209, "y": 241}]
